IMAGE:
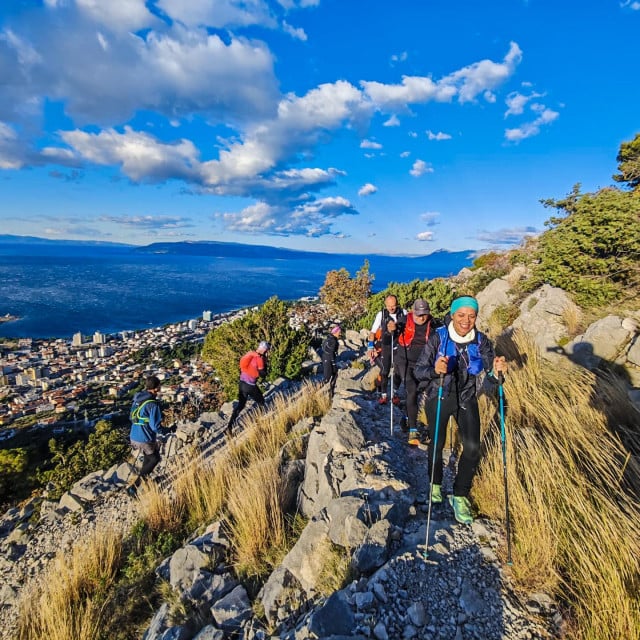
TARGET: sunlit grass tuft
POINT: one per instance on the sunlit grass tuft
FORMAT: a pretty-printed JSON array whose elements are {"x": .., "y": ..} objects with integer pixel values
[{"x": 574, "y": 522}]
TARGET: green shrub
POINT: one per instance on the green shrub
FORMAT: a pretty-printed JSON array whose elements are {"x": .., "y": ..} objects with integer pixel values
[
  {"x": 593, "y": 250},
  {"x": 105, "y": 447},
  {"x": 226, "y": 344},
  {"x": 346, "y": 297},
  {"x": 438, "y": 293}
]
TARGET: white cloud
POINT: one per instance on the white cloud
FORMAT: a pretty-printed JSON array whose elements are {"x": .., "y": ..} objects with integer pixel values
[
  {"x": 425, "y": 236},
  {"x": 632, "y": 4},
  {"x": 419, "y": 168},
  {"x": 314, "y": 218},
  {"x": 158, "y": 223},
  {"x": 430, "y": 218},
  {"x": 367, "y": 189},
  {"x": 219, "y": 13},
  {"x": 529, "y": 129},
  {"x": 123, "y": 15},
  {"x": 401, "y": 57},
  {"x": 482, "y": 76},
  {"x": 140, "y": 156},
  {"x": 297, "y": 33},
  {"x": 405, "y": 154},
  {"x": 370, "y": 144},
  {"x": 393, "y": 121},
  {"x": 438, "y": 136},
  {"x": 510, "y": 237},
  {"x": 516, "y": 102}
]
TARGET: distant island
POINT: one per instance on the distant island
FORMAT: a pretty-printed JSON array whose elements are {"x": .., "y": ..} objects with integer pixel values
[{"x": 238, "y": 250}]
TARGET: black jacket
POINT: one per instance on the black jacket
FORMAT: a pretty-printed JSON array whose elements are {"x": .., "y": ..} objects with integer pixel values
[
  {"x": 460, "y": 381},
  {"x": 330, "y": 348}
]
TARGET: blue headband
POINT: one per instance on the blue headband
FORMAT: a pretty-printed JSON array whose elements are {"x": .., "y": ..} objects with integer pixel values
[{"x": 464, "y": 301}]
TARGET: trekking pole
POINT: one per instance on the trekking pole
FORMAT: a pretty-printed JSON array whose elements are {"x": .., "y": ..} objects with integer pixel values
[
  {"x": 391, "y": 401},
  {"x": 503, "y": 438},
  {"x": 433, "y": 461}
]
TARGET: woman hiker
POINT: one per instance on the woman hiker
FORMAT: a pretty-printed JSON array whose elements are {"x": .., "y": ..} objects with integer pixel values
[{"x": 454, "y": 356}]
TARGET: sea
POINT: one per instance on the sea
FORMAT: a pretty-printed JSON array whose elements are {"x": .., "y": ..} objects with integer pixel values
[{"x": 58, "y": 290}]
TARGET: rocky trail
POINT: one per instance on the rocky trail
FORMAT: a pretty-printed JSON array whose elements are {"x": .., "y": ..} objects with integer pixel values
[{"x": 460, "y": 591}]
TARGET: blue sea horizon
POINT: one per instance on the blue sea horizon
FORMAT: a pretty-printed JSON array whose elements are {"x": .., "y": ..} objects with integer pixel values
[{"x": 58, "y": 290}]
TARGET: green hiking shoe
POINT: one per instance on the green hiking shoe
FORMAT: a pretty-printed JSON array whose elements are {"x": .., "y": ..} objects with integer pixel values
[
  {"x": 436, "y": 494},
  {"x": 461, "y": 509}
]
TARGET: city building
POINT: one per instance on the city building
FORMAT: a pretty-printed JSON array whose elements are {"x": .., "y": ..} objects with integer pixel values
[{"x": 77, "y": 339}]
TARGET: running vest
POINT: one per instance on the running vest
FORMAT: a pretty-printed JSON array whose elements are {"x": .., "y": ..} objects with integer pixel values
[
  {"x": 142, "y": 421},
  {"x": 382, "y": 331},
  {"x": 406, "y": 336},
  {"x": 449, "y": 348}
]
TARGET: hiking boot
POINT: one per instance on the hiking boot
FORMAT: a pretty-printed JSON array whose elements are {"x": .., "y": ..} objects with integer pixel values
[
  {"x": 461, "y": 509},
  {"x": 436, "y": 494},
  {"x": 414, "y": 441},
  {"x": 132, "y": 491},
  {"x": 396, "y": 399},
  {"x": 383, "y": 399},
  {"x": 404, "y": 424}
]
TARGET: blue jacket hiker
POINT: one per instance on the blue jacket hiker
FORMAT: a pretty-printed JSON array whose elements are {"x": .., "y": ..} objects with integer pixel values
[
  {"x": 454, "y": 356},
  {"x": 146, "y": 421}
]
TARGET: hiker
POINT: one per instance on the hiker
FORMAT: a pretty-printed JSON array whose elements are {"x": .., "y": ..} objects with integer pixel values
[
  {"x": 384, "y": 329},
  {"x": 329, "y": 354},
  {"x": 146, "y": 423},
  {"x": 253, "y": 365},
  {"x": 412, "y": 338},
  {"x": 454, "y": 356}
]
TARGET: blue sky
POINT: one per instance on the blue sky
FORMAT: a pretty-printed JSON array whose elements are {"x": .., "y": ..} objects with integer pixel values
[{"x": 327, "y": 125}]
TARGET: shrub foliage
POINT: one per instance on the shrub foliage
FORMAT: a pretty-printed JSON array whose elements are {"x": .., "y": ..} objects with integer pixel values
[
  {"x": 226, "y": 344},
  {"x": 593, "y": 250},
  {"x": 438, "y": 293},
  {"x": 346, "y": 297}
]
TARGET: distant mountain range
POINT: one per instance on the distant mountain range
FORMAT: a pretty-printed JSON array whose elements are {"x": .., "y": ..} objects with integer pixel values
[
  {"x": 237, "y": 250},
  {"x": 222, "y": 249},
  {"x": 9, "y": 239}
]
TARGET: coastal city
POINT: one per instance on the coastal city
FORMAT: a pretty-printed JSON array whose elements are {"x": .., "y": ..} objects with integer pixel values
[{"x": 45, "y": 384}]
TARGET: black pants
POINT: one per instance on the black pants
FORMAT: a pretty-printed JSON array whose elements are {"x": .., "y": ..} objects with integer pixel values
[
  {"x": 385, "y": 370},
  {"x": 467, "y": 417},
  {"x": 150, "y": 456},
  {"x": 245, "y": 391},
  {"x": 329, "y": 373},
  {"x": 404, "y": 370}
]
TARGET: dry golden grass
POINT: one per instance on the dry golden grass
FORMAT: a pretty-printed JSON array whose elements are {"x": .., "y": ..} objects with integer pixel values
[
  {"x": 572, "y": 318},
  {"x": 70, "y": 605},
  {"x": 160, "y": 510},
  {"x": 575, "y": 525}
]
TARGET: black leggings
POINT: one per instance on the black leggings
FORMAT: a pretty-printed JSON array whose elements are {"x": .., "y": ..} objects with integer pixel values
[
  {"x": 467, "y": 417},
  {"x": 246, "y": 391},
  {"x": 405, "y": 371}
]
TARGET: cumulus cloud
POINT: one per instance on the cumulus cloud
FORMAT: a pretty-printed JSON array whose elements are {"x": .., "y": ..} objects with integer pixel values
[
  {"x": 516, "y": 102},
  {"x": 438, "y": 136},
  {"x": 367, "y": 189},
  {"x": 509, "y": 237},
  {"x": 632, "y": 4},
  {"x": 405, "y": 154},
  {"x": 425, "y": 236},
  {"x": 529, "y": 129},
  {"x": 399, "y": 57},
  {"x": 312, "y": 219},
  {"x": 172, "y": 63},
  {"x": 370, "y": 144},
  {"x": 297, "y": 33},
  {"x": 419, "y": 168}
]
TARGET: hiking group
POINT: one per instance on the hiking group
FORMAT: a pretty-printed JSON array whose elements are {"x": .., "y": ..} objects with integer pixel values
[{"x": 440, "y": 362}]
